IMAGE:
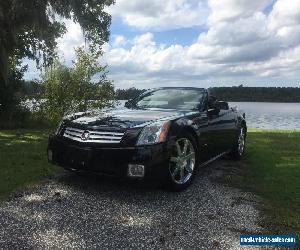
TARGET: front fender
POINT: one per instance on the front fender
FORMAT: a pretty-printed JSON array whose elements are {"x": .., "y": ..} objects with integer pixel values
[{"x": 181, "y": 126}]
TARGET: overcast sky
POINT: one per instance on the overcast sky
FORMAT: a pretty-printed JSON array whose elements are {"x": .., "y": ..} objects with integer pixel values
[{"x": 198, "y": 43}]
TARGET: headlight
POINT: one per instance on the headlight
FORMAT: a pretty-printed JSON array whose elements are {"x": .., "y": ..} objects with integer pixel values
[
  {"x": 154, "y": 133},
  {"x": 59, "y": 128}
]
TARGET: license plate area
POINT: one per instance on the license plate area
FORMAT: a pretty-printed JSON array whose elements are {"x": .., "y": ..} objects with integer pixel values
[{"x": 77, "y": 158}]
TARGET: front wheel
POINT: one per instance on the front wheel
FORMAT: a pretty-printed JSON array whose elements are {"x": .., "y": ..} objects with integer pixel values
[
  {"x": 182, "y": 163},
  {"x": 239, "y": 148}
]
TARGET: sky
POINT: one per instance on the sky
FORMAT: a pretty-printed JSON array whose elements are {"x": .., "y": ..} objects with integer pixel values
[{"x": 200, "y": 43}]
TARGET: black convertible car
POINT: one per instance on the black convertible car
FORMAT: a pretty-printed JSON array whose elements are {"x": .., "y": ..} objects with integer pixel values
[{"x": 164, "y": 134}]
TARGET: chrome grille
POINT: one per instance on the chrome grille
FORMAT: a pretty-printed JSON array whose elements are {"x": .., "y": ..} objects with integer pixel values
[{"x": 93, "y": 136}]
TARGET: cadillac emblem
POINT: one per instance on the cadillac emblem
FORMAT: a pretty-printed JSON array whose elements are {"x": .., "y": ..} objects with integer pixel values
[{"x": 85, "y": 135}]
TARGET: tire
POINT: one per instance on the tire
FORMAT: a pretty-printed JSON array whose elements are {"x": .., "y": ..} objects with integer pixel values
[
  {"x": 182, "y": 163},
  {"x": 240, "y": 145}
]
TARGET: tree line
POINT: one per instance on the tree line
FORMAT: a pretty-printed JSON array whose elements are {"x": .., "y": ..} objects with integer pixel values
[{"x": 257, "y": 94}]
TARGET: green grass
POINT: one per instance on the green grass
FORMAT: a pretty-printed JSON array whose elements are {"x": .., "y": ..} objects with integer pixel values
[
  {"x": 271, "y": 168},
  {"x": 23, "y": 159}
]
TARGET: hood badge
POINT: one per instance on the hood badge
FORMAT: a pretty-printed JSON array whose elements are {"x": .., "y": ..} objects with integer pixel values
[{"x": 85, "y": 135}]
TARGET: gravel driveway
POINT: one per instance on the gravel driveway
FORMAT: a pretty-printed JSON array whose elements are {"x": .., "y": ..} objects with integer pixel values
[{"x": 89, "y": 212}]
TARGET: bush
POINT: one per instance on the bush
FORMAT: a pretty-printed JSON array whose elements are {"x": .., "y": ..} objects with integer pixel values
[
  {"x": 21, "y": 117},
  {"x": 68, "y": 90}
]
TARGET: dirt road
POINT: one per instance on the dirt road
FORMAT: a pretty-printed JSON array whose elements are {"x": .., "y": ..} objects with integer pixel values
[{"x": 90, "y": 212}]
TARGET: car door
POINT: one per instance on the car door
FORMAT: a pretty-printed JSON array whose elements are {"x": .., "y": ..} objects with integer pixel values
[
  {"x": 225, "y": 126},
  {"x": 207, "y": 130},
  {"x": 221, "y": 126},
  {"x": 217, "y": 126},
  {"x": 228, "y": 118},
  {"x": 200, "y": 122},
  {"x": 215, "y": 134}
]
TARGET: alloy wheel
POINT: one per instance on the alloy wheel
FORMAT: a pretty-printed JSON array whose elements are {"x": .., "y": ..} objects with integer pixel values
[{"x": 182, "y": 161}]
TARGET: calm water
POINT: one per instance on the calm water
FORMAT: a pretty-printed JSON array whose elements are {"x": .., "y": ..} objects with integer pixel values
[{"x": 271, "y": 115}]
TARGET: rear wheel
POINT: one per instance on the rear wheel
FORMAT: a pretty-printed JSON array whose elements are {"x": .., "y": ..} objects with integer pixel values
[
  {"x": 182, "y": 163},
  {"x": 239, "y": 148}
]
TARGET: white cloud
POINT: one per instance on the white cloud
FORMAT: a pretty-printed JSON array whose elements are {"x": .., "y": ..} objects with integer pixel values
[
  {"x": 72, "y": 39},
  {"x": 238, "y": 32},
  {"x": 119, "y": 41},
  {"x": 285, "y": 14},
  {"x": 241, "y": 44},
  {"x": 228, "y": 10},
  {"x": 161, "y": 15},
  {"x": 284, "y": 20},
  {"x": 144, "y": 40},
  {"x": 149, "y": 64}
]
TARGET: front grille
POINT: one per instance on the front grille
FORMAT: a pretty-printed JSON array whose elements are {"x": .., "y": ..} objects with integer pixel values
[{"x": 93, "y": 136}]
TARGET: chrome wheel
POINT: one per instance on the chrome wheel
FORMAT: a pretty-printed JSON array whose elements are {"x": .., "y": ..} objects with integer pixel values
[
  {"x": 182, "y": 161},
  {"x": 241, "y": 142}
]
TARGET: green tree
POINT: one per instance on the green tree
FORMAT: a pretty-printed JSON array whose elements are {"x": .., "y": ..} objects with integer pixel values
[
  {"x": 10, "y": 93},
  {"x": 73, "y": 89},
  {"x": 29, "y": 28}
]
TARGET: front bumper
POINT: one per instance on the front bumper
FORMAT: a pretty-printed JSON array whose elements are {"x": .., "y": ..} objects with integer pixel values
[{"x": 108, "y": 160}]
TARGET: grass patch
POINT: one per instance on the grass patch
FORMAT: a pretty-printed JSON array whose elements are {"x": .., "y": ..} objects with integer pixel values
[
  {"x": 272, "y": 169},
  {"x": 23, "y": 159}
]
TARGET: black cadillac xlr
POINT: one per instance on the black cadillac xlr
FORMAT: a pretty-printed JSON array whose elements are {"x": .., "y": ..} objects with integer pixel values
[{"x": 164, "y": 134}]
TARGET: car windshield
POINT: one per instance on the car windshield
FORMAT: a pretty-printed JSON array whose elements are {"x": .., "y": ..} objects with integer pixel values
[{"x": 180, "y": 99}]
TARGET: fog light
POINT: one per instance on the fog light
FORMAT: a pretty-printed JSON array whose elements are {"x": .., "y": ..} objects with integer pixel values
[
  {"x": 50, "y": 155},
  {"x": 135, "y": 170}
]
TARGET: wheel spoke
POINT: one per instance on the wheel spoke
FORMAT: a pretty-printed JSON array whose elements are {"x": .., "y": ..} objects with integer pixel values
[
  {"x": 178, "y": 148},
  {"x": 189, "y": 156},
  {"x": 176, "y": 169},
  {"x": 174, "y": 159},
  {"x": 181, "y": 174},
  {"x": 188, "y": 168},
  {"x": 185, "y": 146}
]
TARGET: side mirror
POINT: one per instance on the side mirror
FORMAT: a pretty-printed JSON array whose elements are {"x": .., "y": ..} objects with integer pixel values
[{"x": 222, "y": 105}]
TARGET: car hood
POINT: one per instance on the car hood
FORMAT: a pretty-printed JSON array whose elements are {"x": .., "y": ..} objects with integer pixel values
[{"x": 124, "y": 117}]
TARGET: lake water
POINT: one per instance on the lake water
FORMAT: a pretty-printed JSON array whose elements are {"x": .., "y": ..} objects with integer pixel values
[{"x": 271, "y": 115}]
